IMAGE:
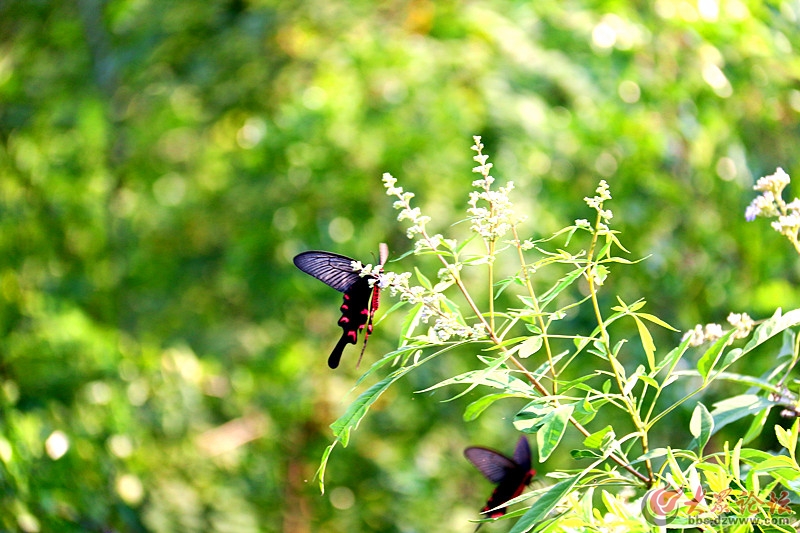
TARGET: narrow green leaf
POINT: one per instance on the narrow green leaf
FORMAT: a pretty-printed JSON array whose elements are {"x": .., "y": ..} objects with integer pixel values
[
  {"x": 423, "y": 280},
  {"x": 780, "y": 465},
  {"x": 410, "y": 323},
  {"x": 701, "y": 426},
  {"x": 772, "y": 326},
  {"x": 553, "y": 427},
  {"x": 652, "y": 454},
  {"x": 540, "y": 509},
  {"x": 323, "y": 463},
  {"x": 655, "y": 320},
  {"x": 738, "y": 407},
  {"x": 786, "y": 440},
  {"x": 358, "y": 409},
  {"x": 647, "y": 343},
  {"x": 530, "y": 346},
  {"x": 597, "y": 439},
  {"x": 709, "y": 359},
  {"x": 560, "y": 285},
  {"x": 672, "y": 358},
  {"x": 757, "y": 425},
  {"x": 477, "y": 407},
  {"x": 736, "y": 460}
]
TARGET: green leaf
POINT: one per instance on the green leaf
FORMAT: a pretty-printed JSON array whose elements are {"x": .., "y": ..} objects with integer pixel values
[
  {"x": 552, "y": 430},
  {"x": 560, "y": 285},
  {"x": 710, "y": 358},
  {"x": 530, "y": 346},
  {"x": 647, "y": 342},
  {"x": 737, "y": 407},
  {"x": 672, "y": 357},
  {"x": 779, "y": 465},
  {"x": 787, "y": 438},
  {"x": 584, "y": 454},
  {"x": 787, "y": 344},
  {"x": 756, "y": 426},
  {"x": 530, "y": 418},
  {"x": 655, "y": 320},
  {"x": 772, "y": 326},
  {"x": 540, "y": 509},
  {"x": 701, "y": 426},
  {"x": 599, "y": 440},
  {"x": 410, "y": 323},
  {"x": 477, "y": 407},
  {"x": 358, "y": 409},
  {"x": 423, "y": 280}
]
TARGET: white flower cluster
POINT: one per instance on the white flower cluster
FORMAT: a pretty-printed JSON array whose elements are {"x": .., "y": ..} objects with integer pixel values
[
  {"x": 711, "y": 332},
  {"x": 596, "y": 203},
  {"x": 743, "y": 324},
  {"x": 418, "y": 220},
  {"x": 446, "y": 324},
  {"x": 374, "y": 271},
  {"x": 770, "y": 204},
  {"x": 495, "y": 220}
]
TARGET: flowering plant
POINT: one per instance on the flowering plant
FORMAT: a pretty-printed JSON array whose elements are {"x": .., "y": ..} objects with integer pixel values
[{"x": 589, "y": 382}]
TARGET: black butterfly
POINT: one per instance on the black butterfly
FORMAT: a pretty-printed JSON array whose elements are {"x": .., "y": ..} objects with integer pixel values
[
  {"x": 511, "y": 476},
  {"x": 360, "y": 300}
]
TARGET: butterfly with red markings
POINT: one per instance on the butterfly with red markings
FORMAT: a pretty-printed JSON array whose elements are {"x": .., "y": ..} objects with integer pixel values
[
  {"x": 361, "y": 298},
  {"x": 510, "y": 475}
]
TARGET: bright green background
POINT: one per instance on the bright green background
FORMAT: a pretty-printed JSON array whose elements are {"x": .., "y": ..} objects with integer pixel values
[{"x": 161, "y": 162}]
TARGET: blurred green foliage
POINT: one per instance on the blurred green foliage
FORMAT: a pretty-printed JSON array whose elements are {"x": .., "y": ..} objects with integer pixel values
[{"x": 161, "y": 162}]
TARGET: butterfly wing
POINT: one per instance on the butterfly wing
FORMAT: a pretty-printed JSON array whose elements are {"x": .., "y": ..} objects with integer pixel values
[
  {"x": 355, "y": 314},
  {"x": 332, "y": 269},
  {"x": 511, "y": 476},
  {"x": 493, "y": 465},
  {"x": 522, "y": 453}
]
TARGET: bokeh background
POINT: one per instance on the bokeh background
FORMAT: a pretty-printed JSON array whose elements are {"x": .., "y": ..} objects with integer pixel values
[{"x": 162, "y": 363}]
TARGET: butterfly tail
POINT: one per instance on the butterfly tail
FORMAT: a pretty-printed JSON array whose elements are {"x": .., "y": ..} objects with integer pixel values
[{"x": 336, "y": 354}]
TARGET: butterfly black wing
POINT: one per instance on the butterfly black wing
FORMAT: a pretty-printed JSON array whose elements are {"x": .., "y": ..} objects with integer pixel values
[
  {"x": 493, "y": 465},
  {"x": 355, "y": 315},
  {"x": 332, "y": 269},
  {"x": 361, "y": 297},
  {"x": 511, "y": 476},
  {"x": 522, "y": 453}
]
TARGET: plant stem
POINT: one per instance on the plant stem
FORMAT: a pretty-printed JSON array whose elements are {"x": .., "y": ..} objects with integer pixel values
[{"x": 536, "y": 309}]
